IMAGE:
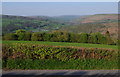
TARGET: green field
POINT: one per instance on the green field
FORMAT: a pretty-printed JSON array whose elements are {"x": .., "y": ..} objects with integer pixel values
[
  {"x": 85, "y": 45},
  {"x": 53, "y": 64}
]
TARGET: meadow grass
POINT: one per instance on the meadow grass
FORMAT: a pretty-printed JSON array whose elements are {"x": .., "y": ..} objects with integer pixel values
[
  {"x": 51, "y": 64},
  {"x": 85, "y": 45}
]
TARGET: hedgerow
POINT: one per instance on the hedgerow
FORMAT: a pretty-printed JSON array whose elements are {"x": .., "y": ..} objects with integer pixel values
[
  {"x": 35, "y": 56},
  {"x": 36, "y": 51}
]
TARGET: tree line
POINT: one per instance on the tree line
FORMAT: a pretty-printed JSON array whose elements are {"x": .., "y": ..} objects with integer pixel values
[{"x": 60, "y": 36}]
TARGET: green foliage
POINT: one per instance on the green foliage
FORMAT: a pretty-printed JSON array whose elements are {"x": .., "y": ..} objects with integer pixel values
[
  {"x": 65, "y": 54},
  {"x": 27, "y": 36},
  {"x": 60, "y": 36},
  {"x": 84, "y": 38},
  {"x": 36, "y": 51},
  {"x": 47, "y": 36},
  {"x": 75, "y": 37},
  {"x": 93, "y": 38},
  {"x": 109, "y": 39},
  {"x": 101, "y": 38},
  {"x": 97, "y": 38},
  {"x": 37, "y": 36},
  {"x": 21, "y": 34},
  {"x": 86, "y": 64},
  {"x": 20, "y": 31},
  {"x": 10, "y": 36},
  {"x": 19, "y": 64}
]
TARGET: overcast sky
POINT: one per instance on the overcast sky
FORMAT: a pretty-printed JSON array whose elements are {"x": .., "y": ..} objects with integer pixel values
[{"x": 58, "y": 8}]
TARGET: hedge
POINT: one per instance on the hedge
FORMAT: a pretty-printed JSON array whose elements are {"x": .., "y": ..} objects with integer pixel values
[
  {"x": 35, "y": 56},
  {"x": 36, "y": 51}
]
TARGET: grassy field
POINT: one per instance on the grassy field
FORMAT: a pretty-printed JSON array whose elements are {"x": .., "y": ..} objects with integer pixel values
[
  {"x": 85, "y": 45},
  {"x": 53, "y": 64}
]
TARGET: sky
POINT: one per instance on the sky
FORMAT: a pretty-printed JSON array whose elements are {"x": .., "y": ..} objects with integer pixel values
[
  {"x": 58, "y": 8},
  {"x": 60, "y": 0}
]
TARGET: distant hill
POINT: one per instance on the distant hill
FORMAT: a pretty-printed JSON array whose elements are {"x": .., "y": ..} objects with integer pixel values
[
  {"x": 100, "y": 18},
  {"x": 31, "y": 23},
  {"x": 66, "y": 18},
  {"x": 95, "y": 23},
  {"x": 71, "y": 23},
  {"x": 35, "y": 23}
]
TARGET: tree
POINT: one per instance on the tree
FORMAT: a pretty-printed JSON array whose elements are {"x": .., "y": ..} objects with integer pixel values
[
  {"x": 83, "y": 38},
  {"x": 27, "y": 36},
  {"x": 101, "y": 38},
  {"x": 73, "y": 37},
  {"x": 20, "y": 31},
  {"x": 109, "y": 39},
  {"x": 93, "y": 38},
  {"x": 59, "y": 36},
  {"x": 37, "y": 36},
  {"x": 47, "y": 36},
  {"x": 21, "y": 34},
  {"x": 10, "y": 36}
]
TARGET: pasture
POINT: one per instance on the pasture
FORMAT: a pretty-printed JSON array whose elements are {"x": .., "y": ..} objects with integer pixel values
[{"x": 65, "y": 44}]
